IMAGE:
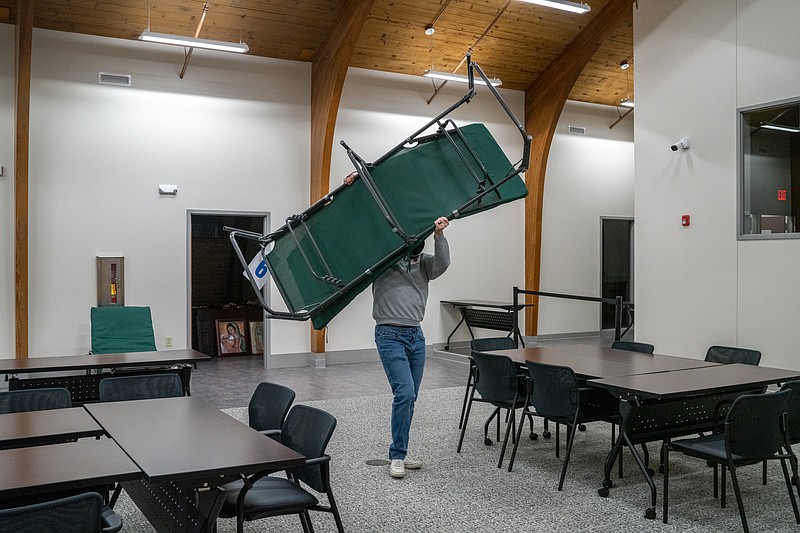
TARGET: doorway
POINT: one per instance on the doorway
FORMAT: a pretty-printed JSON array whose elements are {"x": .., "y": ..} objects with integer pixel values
[
  {"x": 616, "y": 266},
  {"x": 218, "y": 292}
]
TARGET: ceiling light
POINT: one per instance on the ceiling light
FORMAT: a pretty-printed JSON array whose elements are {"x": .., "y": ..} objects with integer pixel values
[
  {"x": 193, "y": 42},
  {"x": 780, "y": 127},
  {"x": 429, "y": 29},
  {"x": 624, "y": 65},
  {"x": 452, "y": 76},
  {"x": 565, "y": 5},
  {"x": 626, "y": 102}
]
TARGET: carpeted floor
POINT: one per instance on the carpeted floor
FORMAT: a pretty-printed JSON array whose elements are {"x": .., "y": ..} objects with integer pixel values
[{"x": 466, "y": 492}]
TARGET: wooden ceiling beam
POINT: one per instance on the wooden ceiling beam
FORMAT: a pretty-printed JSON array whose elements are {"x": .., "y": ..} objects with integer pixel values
[
  {"x": 544, "y": 101},
  {"x": 328, "y": 73},
  {"x": 23, "y": 46}
]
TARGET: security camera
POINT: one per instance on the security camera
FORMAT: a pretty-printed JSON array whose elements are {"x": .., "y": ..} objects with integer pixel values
[{"x": 683, "y": 144}]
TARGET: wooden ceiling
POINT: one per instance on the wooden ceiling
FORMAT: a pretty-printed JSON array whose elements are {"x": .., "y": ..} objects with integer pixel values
[{"x": 511, "y": 39}]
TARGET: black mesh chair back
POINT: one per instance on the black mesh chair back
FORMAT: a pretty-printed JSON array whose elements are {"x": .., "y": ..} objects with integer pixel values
[
  {"x": 140, "y": 387},
  {"x": 82, "y": 513},
  {"x": 492, "y": 343},
  {"x": 793, "y": 411},
  {"x": 18, "y": 401},
  {"x": 632, "y": 346},
  {"x": 729, "y": 354},
  {"x": 754, "y": 425},
  {"x": 554, "y": 390},
  {"x": 269, "y": 405},
  {"x": 307, "y": 430},
  {"x": 497, "y": 381}
]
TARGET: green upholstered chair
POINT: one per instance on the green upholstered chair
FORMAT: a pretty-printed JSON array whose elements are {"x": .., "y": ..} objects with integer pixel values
[{"x": 122, "y": 329}]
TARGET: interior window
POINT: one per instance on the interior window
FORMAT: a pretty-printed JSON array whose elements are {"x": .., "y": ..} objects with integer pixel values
[{"x": 770, "y": 170}]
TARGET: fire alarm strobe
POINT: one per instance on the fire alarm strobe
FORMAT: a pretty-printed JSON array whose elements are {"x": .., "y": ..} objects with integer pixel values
[{"x": 685, "y": 219}]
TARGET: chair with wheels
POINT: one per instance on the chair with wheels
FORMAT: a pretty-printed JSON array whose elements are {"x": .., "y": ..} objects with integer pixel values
[
  {"x": 141, "y": 387},
  {"x": 729, "y": 354},
  {"x": 481, "y": 345},
  {"x": 500, "y": 384},
  {"x": 268, "y": 407},
  {"x": 34, "y": 400},
  {"x": 755, "y": 430},
  {"x": 82, "y": 513},
  {"x": 307, "y": 430},
  {"x": 557, "y": 396},
  {"x": 632, "y": 346}
]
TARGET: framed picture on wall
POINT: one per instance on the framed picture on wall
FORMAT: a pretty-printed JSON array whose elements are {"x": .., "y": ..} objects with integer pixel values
[
  {"x": 256, "y": 337},
  {"x": 232, "y": 336}
]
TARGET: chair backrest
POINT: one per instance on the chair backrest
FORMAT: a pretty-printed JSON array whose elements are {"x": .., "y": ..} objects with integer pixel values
[
  {"x": 145, "y": 387},
  {"x": 17, "y": 401},
  {"x": 307, "y": 430},
  {"x": 632, "y": 346},
  {"x": 754, "y": 424},
  {"x": 492, "y": 343},
  {"x": 268, "y": 406},
  {"x": 497, "y": 379},
  {"x": 122, "y": 329},
  {"x": 729, "y": 354},
  {"x": 75, "y": 514},
  {"x": 554, "y": 389},
  {"x": 793, "y": 410}
]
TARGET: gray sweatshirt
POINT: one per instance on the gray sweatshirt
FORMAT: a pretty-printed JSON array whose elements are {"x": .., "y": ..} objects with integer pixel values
[{"x": 399, "y": 294}]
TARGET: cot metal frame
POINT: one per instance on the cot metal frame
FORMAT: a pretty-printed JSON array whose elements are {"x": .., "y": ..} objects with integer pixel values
[{"x": 445, "y": 128}]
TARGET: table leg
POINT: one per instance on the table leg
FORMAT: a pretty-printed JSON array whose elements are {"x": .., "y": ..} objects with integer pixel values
[
  {"x": 447, "y": 342},
  {"x": 172, "y": 508},
  {"x": 626, "y": 409}
]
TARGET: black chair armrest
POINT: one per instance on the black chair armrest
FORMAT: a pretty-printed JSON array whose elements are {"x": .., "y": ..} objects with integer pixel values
[
  {"x": 271, "y": 432},
  {"x": 717, "y": 408},
  {"x": 318, "y": 460},
  {"x": 111, "y": 522}
]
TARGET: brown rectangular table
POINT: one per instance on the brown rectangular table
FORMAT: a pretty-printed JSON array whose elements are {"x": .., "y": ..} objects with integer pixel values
[
  {"x": 84, "y": 387},
  {"x": 676, "y": 403},
  {"x": 33, "y": 428},
  {"x": 590, "y": 361},
  {"x": 33, "y": 471},
  {"x": 186, "y": 449}
]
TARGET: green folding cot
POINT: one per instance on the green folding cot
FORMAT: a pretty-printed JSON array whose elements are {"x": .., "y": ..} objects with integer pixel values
[{"x": 325, "y": 256}]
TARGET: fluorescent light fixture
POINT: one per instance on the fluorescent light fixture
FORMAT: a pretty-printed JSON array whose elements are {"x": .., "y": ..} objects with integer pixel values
[
  {"x": 452, "y": 76},
  {"x": 193, "y": 42},
  {"x": 626, "y": 102},
  {"x": 780, "y": 127},
  {"x": 565, "y": 5}
]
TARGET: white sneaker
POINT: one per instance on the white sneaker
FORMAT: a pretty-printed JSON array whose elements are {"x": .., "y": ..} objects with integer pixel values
[
  {"x": 411, "y": 463},
  {"x": 397, "y": 468}
]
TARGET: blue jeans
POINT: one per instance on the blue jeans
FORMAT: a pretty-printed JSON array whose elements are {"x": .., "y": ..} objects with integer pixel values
[{"x": 402, "y": 352}]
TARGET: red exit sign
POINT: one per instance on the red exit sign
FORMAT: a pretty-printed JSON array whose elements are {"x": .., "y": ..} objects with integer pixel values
[{"x": 782, "y": 195}]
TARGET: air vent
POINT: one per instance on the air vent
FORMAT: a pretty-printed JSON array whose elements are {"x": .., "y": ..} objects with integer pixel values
[
  {"x": 577, "y": 130},
  {"x": 121, "y": 80},
  {"x": 762, "y": 150}
]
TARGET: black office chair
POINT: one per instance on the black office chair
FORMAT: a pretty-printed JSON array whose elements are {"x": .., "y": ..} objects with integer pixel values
[
  {"x": 729, "y": 354},
  {"x": 754, "y": 431},
  {"x": 82, "y": 513},
  {"x": 143, "y": 387},
  {"x": 558, "y": 397},
  {"x": 268, "y": 407},
  {"x": 500, "y": 384},
  {"x": 632, "y": 346},
  {"x": 307, "y": 430},
  {"x": 481, "y": 345},
  {"x": 34, "y": 400},
  {"x": 792, "y": 421}
]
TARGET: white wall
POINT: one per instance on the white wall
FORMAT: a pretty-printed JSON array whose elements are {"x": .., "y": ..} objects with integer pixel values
[
  {"x": 696, "y": 63},
  {"x": 588, "y": 177},
  {"x": 234, "y": 135}
]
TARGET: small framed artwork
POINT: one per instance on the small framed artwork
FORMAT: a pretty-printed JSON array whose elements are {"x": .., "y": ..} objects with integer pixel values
[
  {"x": 256, "y": 337},
  {"x": 232, "y": 336}
]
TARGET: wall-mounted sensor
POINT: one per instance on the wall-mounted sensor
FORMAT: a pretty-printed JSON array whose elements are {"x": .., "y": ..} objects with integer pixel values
[
  {"x": 683, "y": 144},
  {"x": 171, "y": 190}
]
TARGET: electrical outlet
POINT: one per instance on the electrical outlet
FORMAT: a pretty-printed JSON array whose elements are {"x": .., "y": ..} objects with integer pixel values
[{"x": 168, "y": 342}]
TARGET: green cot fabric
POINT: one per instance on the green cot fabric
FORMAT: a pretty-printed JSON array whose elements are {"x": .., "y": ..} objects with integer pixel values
[
  {"x": 122, "y": 330},
  {"x": 419, "y": 184}
]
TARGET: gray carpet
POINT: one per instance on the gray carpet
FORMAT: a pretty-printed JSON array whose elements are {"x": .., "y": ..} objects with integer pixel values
[{"x": 466, "y": 492}]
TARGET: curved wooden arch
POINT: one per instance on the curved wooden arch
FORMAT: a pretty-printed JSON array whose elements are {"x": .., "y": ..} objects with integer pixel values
[{"x": 544, "y": 101}]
